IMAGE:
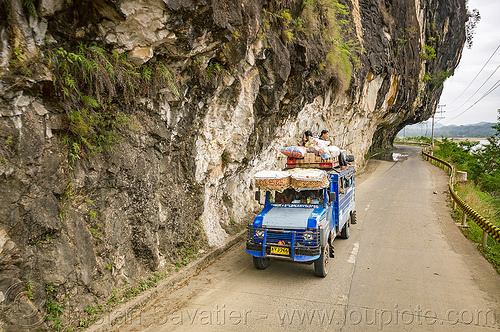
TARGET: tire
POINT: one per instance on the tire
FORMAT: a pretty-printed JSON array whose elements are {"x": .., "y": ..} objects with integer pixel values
[
  {"x": 321, "y": 264},
  {"x": 354, "y": 218},
  {"x": 332, "y": 252},
  {"x": 261, "y": 263},
  {"x": 344, "y": 234}
]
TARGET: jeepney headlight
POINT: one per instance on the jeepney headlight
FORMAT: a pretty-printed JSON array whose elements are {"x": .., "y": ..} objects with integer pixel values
[
  {"x": 259, "y": 233},
  {"x": 308, "y": 236}
]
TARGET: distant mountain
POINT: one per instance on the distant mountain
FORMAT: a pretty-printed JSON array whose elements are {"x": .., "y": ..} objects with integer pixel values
[{"x": 482, "y": 129}]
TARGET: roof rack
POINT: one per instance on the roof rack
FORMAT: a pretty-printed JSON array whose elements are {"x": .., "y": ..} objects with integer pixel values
[{"x": 310, "y": 160}]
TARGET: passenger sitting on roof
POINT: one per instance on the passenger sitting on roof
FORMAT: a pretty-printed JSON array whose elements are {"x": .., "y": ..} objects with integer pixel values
[
  {"x": 342, "y": 161},
  {"x": 307, "y": 136}
]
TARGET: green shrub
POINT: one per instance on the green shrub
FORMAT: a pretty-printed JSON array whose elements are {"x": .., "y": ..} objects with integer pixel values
[
  {"x": 482, "y": 165},
  {"x": 428, "y": 52},
  {"x": 96, "y": 87},
  {"x": 438, "y": 78},
  {"x": 31, "y": 8},
  {"x": 285, "y": 17}
]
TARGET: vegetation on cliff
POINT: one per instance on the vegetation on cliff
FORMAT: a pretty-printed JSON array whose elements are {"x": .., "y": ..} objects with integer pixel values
[
  {"x": 97, "y": 89},
  {"x": 328, "y": 23}
]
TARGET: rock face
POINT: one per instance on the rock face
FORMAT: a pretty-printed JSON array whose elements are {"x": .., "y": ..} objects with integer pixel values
[{"x": 244, "y": 78}]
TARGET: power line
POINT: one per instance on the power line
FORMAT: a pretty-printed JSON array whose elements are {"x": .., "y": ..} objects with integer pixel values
[
  {"x": 478, "y": 88},
  {"x": 460, "y": 95},
  {"x": 490, "y": 90}
]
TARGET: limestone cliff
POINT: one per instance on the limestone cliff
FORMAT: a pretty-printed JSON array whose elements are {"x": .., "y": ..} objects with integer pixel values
[{"x": 130, "y": 130}]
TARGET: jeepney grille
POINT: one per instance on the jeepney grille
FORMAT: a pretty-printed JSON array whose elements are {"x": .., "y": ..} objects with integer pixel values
[{"x": 276, "y": 235}]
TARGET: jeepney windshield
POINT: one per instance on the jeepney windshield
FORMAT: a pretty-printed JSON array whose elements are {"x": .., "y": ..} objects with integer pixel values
[{"x": 291, "y": 196}]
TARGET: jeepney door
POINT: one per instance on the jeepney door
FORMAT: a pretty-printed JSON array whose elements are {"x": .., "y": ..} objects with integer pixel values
[{"x": 331, "y": 204}]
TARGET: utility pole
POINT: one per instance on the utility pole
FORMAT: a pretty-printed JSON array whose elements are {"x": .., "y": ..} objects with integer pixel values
[
  {"x": 440, "y": 111},
  {"x": 432, "y": 133}
]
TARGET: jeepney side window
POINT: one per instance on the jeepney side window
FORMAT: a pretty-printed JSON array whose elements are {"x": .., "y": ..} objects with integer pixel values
[
  {"x": 342, "y": 186},
  {"x": 271, "y": 198},
  {"x": 348, "y": 182}
]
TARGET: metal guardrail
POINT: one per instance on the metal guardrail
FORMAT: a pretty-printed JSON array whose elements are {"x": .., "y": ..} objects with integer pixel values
[{"x": 482, "y": 222}]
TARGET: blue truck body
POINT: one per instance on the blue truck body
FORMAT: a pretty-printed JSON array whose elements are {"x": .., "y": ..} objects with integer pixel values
[{"x": 304, "y": 230}]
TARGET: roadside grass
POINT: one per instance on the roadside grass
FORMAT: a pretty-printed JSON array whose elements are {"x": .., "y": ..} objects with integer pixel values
[{"x": 488, "y": 207}]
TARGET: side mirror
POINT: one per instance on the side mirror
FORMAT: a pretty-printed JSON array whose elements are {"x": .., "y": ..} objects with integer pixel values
[
  {"x": 257, "y": 196},
  {"x": 331, "y": 196},
  {"x": 349, "y": 158}
]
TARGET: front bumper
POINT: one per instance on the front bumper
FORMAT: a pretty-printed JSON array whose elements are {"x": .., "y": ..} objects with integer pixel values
[{"x": 299, "y": 249}]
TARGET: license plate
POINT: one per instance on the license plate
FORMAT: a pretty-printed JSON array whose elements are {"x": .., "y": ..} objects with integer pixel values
[{"x": 280, "y": 251}]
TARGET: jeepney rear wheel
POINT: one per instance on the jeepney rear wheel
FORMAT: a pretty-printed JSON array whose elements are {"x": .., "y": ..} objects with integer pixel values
[
  {"x": 354, "y": 219},
  {"x": 344, "y": 234},
  {"x": 321, "y": 264},
  {"x": 261, "y": 263}
]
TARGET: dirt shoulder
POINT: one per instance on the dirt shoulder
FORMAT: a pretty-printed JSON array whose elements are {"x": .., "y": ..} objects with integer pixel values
[
  {"x": 369, "y": 168},
  {"x": 123, "y": 312}
]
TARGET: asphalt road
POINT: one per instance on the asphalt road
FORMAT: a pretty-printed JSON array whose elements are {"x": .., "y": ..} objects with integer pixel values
[{"x": 406, "y": 267}]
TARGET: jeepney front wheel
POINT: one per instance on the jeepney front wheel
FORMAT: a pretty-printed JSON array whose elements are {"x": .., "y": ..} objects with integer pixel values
[
  {"x": 261, "y": 263},
  {"x": 321, "y": 264}
]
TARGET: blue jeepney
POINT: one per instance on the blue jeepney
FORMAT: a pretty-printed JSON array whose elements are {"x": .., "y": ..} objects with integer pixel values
[{"x": 300, "y": 224}]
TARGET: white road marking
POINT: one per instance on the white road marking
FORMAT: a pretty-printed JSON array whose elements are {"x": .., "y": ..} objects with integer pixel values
[
  {"x": 354, "y": 253},
  {"x": 368, "y": 206}
]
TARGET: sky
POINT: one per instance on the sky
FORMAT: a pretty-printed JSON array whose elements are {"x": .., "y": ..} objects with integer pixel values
[{"x": 457, "y": 95}]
